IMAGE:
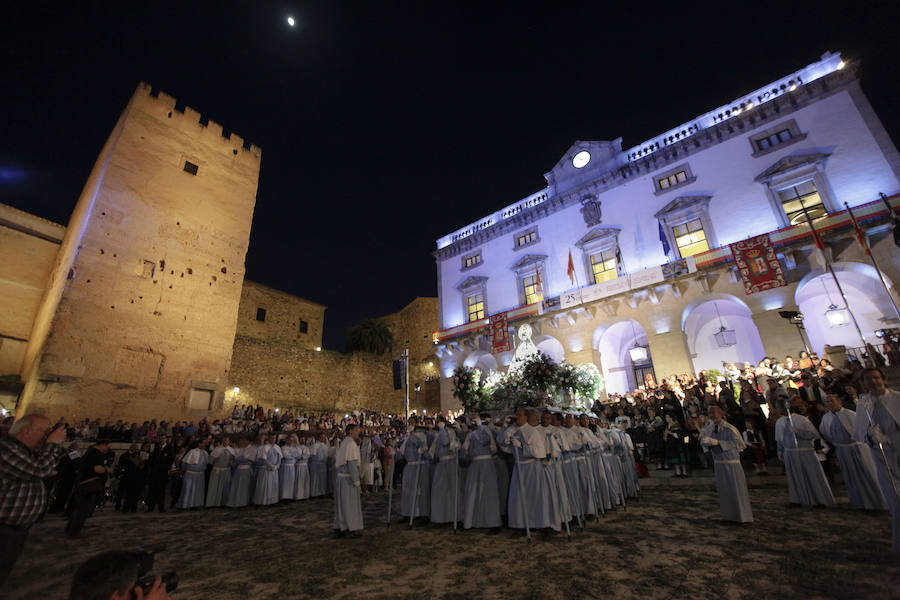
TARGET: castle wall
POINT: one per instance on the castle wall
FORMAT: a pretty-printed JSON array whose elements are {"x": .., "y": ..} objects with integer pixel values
[
  {"x": 282, "y": 318},
  {"x": 28, "y": 248},
  {"x": 141, "y": 309},
  {"x": 282, "y": 375}
]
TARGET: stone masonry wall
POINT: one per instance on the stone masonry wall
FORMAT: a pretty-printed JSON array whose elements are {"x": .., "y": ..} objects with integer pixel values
[
  {"x": 28, "y": 249},
  {"x": 282, "y": 318},
  {"x": 141, "y": 312},
  {"x": 282, "y": 375}
]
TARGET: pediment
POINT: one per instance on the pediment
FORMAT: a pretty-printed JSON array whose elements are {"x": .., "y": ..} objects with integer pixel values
[
  {"x": 684, "y": 203},
  {"x": 603, "y": 158},
  {"x": 598, "y": 234},
  {"x": 529, "y": 260},
  {"x": 472, "y": 281},
  {"x": 788, "y": 164}
]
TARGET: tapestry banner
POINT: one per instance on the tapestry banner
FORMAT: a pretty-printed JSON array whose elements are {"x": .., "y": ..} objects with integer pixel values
[
  {"x": 500, "y": 333},
  {"x": 758, "y": 265}
]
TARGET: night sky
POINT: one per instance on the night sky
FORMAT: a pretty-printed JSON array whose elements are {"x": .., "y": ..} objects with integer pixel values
[{"x": 385, "y": 125}]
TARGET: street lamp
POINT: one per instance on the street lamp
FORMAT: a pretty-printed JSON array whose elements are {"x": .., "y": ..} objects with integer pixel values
[
  {"x": 418, "y": 387},
  {"x": 724, "y": 337},
  {"x": 796, "y": 318}
]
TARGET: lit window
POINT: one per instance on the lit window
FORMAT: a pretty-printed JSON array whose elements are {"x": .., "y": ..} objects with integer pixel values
[
  {"x": 798, "y": 197},
  {"x": 673, "y": 179},
  {"x": 526, "y": 238},
  {"x": 475, "y": 306},
  {"x": 304, "y": 326},
  {"x": 471, "y": 261},
  {"x": 532, "y": 287},
  {"x": 261, "y": 315},
  {"x": 603, "y": 266},
  {"x": 690, "y": 238},
  {"x": 764, "y": 143}
]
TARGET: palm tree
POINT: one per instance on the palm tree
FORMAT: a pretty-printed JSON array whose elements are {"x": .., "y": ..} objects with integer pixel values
[{"x": 370, "y": 335}]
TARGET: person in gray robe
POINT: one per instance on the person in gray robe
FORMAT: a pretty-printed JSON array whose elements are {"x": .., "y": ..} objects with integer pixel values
[
  {"x": 287, "y": 471},
  {"x": 222, "y": 458},
  {"x": 553, "y": 463},
  {"x": 497, "y": 427},
  {"x": 193, "y": 487},
  {"x": 330, "y": 453},
  {"x": 268, "y": 459},
  {"x": 481, "y": 499},
  {"x": 855, "y": 458},
  {"x": 302, "y": 479},
  {"x": 445, "y": 482},
  {"x": 241, "y": 486},
  {"x": 878, "y": 426},
  {"x": 415, "y": 497},
  {"x": 611, "y": 466},
  {"x": 807, "y": 484},
  {"x": 348, "y": 517},
  {"x": 530, "y": 444},
  {"x": 579, "y": 467},
  {"x": 595, "y": 460},
  {"x": 725, "y": 443},
  {"x": 318, "y": 467}
]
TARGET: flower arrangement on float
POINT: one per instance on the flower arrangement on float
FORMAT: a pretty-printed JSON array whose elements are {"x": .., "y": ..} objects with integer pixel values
[{"x": 539, "y": 382}]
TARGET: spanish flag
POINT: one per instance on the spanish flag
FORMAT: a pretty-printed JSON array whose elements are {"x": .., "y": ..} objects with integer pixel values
[
  {"x": 571, "y": 269},
  {"x": 860, "y": 234}
]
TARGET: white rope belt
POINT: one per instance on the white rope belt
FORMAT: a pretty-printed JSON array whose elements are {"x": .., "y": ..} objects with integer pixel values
[
  {"x": 482, "y": 457},
  {"x": 579, "y": 457},
  {"x": 219, "y": 468},
  {"x": 343, "y": 474},
  {"x": 243, "y": 466},
  {"x": 728, "y": 462},
  {"x": 418, "y": 462},
  {"x": 526, "y": 461},
  {"x": 448, "y": 457}
]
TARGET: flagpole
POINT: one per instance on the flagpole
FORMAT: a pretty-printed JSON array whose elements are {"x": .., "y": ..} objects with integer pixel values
[
  {"x": 820, "y": 245},
  {"x": 868, "y": 250}
]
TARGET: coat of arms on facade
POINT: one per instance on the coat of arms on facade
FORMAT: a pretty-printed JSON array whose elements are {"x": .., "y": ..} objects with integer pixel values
[{"x": 590, "y": 210}]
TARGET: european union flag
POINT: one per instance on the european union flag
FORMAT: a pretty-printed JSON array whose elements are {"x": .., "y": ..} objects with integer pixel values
[{"x": 664, "y": 240}]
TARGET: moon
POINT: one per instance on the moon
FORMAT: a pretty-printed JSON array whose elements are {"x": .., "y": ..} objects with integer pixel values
[{"x": 290, "y": 21}]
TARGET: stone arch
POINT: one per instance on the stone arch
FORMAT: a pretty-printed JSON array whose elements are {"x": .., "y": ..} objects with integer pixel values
[
  {"x": 613, "y": 340},
  {"x": 702, "y": 319},
  {"x": 865, "y": 293},
  {"x": 482, "y": 360},
  {"x": 550, "y": 346}
]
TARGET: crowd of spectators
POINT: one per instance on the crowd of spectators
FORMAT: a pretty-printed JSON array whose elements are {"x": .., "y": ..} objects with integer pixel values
[{"x": 665, "y": 420}]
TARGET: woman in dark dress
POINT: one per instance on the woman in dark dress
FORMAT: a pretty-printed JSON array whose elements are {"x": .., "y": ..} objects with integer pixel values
[{"x": 676, "y": 449}]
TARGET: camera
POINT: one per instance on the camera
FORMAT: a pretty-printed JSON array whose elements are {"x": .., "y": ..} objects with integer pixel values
[{"x": 145, "y": 565}]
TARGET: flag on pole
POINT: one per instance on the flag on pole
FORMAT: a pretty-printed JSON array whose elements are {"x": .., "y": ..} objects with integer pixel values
[
  {"x": 664, "y": 240},
  {"x": 538, "y": 284},
  {"x": 820, "y": 245},
  {"x": 620, "y": 264},
  {"x": 860, "y": 235},
  {"x": 571, "y": 269}
]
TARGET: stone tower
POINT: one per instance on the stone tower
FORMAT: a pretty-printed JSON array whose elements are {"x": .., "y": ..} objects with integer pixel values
[{"x": 139, "y": 316}]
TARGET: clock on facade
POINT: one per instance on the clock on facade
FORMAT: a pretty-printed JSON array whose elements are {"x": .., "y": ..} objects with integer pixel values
[{"x": 581, "y": 159}]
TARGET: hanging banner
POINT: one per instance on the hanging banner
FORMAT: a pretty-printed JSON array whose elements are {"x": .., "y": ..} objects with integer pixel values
[
  {"x": 758, "y": 265},
  {"x": 500, "y": 333}
]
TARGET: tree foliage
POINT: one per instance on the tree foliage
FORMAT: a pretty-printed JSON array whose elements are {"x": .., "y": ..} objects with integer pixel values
[{"x": 370, "y": 335}]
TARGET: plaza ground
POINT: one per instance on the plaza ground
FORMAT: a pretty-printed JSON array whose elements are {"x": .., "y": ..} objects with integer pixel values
[{"x": 667, "y": 544}]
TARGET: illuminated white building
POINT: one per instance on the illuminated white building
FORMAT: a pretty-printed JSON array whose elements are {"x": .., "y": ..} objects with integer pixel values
[{"x": 809, "y": 139}]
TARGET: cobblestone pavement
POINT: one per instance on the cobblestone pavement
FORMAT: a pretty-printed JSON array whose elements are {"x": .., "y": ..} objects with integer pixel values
[{"x": 667, "y": 544}]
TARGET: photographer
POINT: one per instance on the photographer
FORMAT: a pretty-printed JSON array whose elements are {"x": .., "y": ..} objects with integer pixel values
[
  {"x": 115, "y": 575},
  {"x": 28, "y": 454},
  {"x": 95, "y": 468}
]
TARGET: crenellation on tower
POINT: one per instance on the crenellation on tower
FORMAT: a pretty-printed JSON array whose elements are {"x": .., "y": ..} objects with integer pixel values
[{"x": 193, "y": 122}]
